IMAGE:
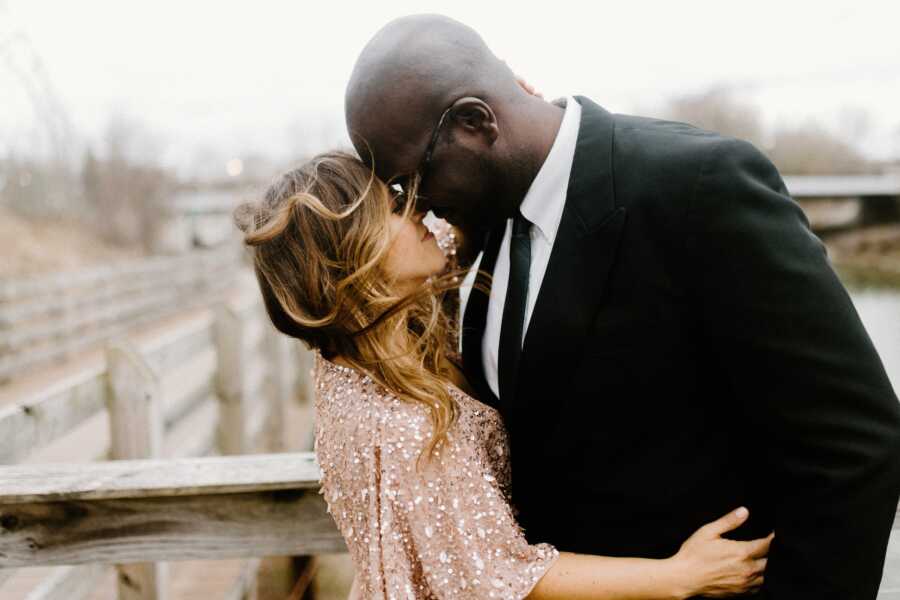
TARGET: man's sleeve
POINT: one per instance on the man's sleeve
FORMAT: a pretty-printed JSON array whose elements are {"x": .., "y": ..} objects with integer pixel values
[{"x": 809, "y": 386}]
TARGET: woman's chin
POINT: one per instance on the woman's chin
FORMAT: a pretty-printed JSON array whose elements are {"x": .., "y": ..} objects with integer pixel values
[{"x": 440, "y": 265}]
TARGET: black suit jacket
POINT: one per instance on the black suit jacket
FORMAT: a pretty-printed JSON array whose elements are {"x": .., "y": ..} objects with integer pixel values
[{"x": 691, "y": 350}]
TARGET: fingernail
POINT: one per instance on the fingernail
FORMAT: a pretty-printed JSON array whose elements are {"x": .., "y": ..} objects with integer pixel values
[{"x": 741, "y": 512}]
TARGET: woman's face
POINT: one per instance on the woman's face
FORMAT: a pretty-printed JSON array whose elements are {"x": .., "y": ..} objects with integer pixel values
[{"x": 414, "y": 255}]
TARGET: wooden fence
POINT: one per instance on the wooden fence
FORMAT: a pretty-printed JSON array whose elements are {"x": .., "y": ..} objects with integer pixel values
[
  {"x": 52, "y": 317},
  {"x": 214, "y": 380}
]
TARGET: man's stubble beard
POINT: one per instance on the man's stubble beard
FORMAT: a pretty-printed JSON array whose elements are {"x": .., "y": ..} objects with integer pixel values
[{"x": 504, "y": 191}]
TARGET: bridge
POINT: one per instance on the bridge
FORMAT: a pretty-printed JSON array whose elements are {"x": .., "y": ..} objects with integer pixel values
[{"x": 878, "y": 196}]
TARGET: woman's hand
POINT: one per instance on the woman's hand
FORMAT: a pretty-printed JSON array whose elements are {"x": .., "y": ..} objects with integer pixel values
[
  {"x": 713, "y": 566},
  {"x": 528, "y": 87}
]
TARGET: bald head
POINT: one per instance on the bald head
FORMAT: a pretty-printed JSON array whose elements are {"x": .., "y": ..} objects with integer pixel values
[{"x": 407, "y": 74}]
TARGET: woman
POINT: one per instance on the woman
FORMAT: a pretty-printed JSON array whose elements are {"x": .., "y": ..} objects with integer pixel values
[{"x": 415, "y": 471}]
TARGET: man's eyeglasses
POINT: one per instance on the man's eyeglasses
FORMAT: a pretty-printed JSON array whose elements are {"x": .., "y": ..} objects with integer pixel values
[{"x": 412, "y": 182}]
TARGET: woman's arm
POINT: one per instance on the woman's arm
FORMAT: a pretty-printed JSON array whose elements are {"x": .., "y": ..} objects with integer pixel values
[
  {"x": 707, "y": 564},
  {"x": 355, "y": 591},
  {"x": 583, "y": 577}
]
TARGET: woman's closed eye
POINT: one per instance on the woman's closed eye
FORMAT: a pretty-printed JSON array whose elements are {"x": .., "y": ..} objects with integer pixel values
[{"x": 398, "y": 203}]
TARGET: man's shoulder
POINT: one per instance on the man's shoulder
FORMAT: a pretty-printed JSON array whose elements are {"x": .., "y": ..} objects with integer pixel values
[
  {"x": 644, "y": 146},
  {"x": 653, "y": 136}
]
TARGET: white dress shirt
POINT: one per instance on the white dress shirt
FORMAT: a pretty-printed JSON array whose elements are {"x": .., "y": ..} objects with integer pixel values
[{"x": 543, "y": 207}]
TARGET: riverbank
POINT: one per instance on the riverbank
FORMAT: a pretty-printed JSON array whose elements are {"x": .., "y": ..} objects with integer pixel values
[
  {"x": 869, "y": 256},
  {"x": 34, "y": 246}
]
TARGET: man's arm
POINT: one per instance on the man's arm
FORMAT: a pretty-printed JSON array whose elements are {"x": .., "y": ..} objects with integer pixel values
[{"x": 804, "y": 375}]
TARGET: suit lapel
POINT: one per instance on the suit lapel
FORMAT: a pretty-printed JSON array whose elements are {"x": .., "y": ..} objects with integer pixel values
[{"x": 580, "y": 261}]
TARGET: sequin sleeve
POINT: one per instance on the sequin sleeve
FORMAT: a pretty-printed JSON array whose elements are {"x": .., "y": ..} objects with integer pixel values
[{"x": 446, "y": 531}]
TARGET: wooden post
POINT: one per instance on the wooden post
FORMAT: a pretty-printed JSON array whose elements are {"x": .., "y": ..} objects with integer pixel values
[
  {"x": 282, "y": 372},
  {"x": 231, "y": 386},
  {"x": 136, "y": 431},
  {"x": 231, "y": 380}
]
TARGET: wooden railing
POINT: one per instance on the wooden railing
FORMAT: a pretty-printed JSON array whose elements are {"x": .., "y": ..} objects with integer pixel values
[
  {"x": 214, "y": 380},
  {"x": 160, "y": 510},
  {"x": 52, "y": 317}
]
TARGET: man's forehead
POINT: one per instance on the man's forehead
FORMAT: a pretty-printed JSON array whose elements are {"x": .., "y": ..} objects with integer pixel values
[
  {"x": 394, "y": 149},
  {"x": 393, "y": 122}
]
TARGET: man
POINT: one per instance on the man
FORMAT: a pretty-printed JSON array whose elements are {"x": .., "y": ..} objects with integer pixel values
[{"x": 664, "y": 336}]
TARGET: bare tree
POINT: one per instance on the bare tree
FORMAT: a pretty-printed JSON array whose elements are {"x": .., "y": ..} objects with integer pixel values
[
  {"x": 805, "y": 149},
  {"x": 719, "y": 109},
  {"x": 810, "y": 149},
  {"x": 126, "y": 191}
]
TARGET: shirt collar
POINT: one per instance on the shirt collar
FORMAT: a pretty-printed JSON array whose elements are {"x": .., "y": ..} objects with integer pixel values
[{"x": 544, "y": 202}]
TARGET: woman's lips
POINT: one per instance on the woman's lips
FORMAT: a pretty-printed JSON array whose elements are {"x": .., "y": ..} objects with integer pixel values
[{"x": 428, "y": 235}]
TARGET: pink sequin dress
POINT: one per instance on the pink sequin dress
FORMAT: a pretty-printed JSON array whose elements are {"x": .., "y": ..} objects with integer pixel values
[{"x": 445, "y": 531}]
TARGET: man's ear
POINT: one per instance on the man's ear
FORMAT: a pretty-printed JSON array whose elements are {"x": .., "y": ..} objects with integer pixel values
[{"x": 476, "y": 117}]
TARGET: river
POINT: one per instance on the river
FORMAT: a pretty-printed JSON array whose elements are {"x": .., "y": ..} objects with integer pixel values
[{"x": 879, "y": 308}]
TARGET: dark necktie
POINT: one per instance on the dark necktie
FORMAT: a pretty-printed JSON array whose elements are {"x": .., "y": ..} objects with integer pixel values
[{"x": 514, "y": 308}]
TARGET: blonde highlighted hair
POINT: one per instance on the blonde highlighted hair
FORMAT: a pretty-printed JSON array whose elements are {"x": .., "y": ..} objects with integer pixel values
[{"x": 319, "y": 238}]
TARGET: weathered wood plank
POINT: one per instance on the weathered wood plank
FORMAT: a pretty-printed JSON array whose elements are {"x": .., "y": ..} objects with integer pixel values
[
  {"x": 256, "y": 330},
  {"x": 182, "y": 388},
  {"x": 134, "y": 405},
  {"x": 198, "y": 261},
  {"x": 257, "y": 373},
  {"x": 195, "y": 433},
  {"x": 86, "y": 443},
  {"x": 51, "y": 329},
  {"x": 69, "y": 583},
  {"x": 30, "y": 419},
  {"x": 74, "y": 341},
  {"x": 210, "y": 526},
  {"x": 245, "y": 587},
  {"x": 258, "y": 416},
  {"x": 157, "y": 477},
  {"x": 142, "y": 581},
  {"x": 168, "y": 346},
  {"x": 104, "y": 294}
]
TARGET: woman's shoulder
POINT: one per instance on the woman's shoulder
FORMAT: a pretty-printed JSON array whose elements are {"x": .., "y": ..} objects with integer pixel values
[{"x": 350, "y": 400}]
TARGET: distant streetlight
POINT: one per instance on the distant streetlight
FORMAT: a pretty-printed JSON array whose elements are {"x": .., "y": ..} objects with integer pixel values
[{"x": 234, "y": 167}]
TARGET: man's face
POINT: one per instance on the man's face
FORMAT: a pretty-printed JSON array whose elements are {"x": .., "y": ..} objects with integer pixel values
[
  {"x": 461, "y": 184},
  {"x": 455, "y": 165}
]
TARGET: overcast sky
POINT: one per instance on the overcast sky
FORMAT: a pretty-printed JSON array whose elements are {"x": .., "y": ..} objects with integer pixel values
[{"x": 215, "y": 80}]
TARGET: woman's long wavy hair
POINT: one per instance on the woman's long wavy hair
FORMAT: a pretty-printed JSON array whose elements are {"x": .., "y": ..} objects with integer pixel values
[{"x": 319, "y": 239}]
